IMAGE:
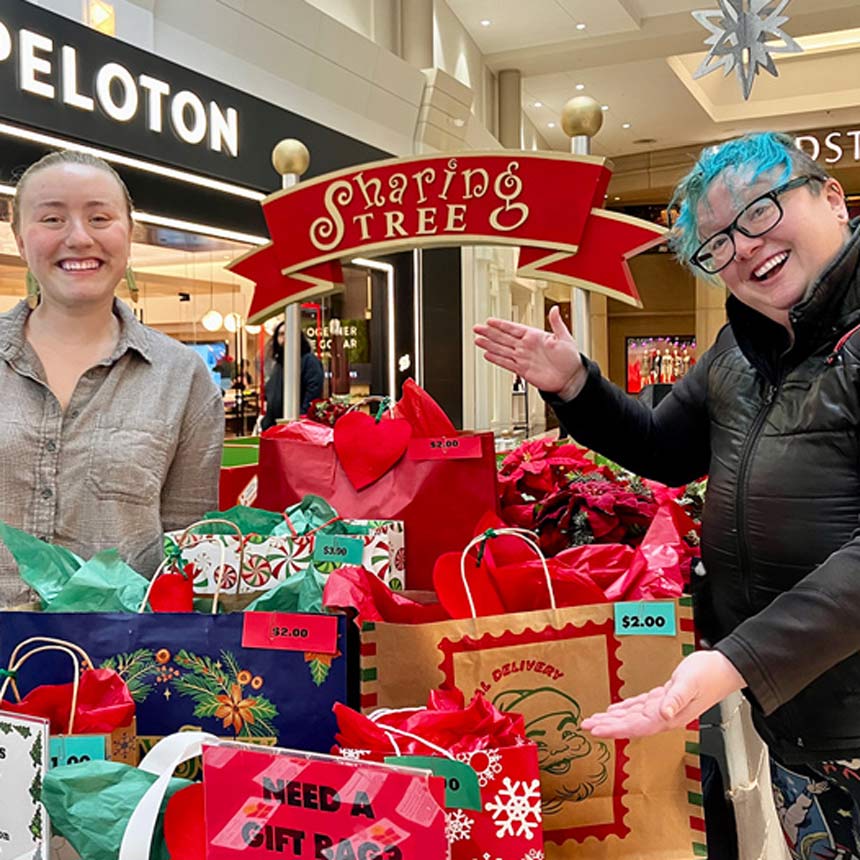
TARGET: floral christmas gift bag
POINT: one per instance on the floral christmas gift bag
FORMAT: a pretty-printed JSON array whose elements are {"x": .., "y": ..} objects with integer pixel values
[{"x": 218, "y": 673}]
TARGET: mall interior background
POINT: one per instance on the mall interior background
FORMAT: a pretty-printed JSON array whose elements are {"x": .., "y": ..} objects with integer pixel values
[{"x": 405, "y": 77}]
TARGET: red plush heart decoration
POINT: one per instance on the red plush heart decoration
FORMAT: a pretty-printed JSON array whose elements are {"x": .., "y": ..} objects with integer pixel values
[
  {"x": 172, "y": 592},
  {"x": 368, "y": 448},
  {"x": 184, "y": 831}
]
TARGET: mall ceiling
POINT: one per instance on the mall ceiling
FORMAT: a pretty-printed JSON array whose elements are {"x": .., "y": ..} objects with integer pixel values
[{"x": 637, "y": 57}]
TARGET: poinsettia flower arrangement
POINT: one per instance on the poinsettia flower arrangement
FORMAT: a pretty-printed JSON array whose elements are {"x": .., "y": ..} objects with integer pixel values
[
  {"x": 328, "y": 410},
  {"x": 570, "y": 496}
]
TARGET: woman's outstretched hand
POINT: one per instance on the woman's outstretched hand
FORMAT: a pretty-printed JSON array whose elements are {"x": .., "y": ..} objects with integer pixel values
[
  {"x": 548, "y": 360},
  {"x": 699, "y": 682}
]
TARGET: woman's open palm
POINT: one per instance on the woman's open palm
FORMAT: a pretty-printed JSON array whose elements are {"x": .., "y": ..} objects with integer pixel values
[{"x": 548, "y": 360}]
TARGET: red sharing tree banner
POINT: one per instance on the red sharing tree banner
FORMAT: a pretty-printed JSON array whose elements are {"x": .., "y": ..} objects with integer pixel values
[{"x": 548, "y": 204}]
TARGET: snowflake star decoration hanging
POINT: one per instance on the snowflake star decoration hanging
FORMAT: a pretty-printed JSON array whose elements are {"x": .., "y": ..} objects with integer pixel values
[{"x": 739, "y": 38}]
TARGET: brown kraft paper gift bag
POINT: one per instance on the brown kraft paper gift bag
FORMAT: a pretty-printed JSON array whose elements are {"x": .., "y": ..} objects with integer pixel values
[{"x": 602, "y": 799}]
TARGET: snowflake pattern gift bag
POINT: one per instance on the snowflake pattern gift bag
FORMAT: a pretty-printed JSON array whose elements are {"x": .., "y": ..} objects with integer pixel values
[
  {"x": 498, "y": 815},
  {"x": 508, "y": 827}
]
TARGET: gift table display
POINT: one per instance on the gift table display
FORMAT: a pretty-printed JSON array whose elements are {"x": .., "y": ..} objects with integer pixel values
[{"x": 534, "y": 628}]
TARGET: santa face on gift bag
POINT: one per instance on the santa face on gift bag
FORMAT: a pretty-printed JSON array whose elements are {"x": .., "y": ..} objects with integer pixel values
[{"x": 571, "y": 765}]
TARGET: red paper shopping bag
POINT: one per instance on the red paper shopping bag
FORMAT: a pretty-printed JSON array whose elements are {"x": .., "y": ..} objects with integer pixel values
[
  {"x": 439, "y": 485},
  {"x": 501, "y": 818}
]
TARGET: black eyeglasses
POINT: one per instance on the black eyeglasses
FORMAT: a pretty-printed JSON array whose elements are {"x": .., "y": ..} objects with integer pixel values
[{"x": 755, "y": 219}]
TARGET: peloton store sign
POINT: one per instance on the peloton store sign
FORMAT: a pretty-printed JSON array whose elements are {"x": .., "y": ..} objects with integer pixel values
[
  {"x": 119, "y": 94},
  {"x": 61, "y": 78}
]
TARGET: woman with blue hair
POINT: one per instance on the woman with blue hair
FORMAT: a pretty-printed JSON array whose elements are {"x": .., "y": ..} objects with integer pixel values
[{"x": 770, "y": 413}]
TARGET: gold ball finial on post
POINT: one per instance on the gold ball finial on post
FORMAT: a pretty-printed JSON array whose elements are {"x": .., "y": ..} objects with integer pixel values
[
  {"x": 581, "y": 116},
  {"x": 290, "y": 157}
]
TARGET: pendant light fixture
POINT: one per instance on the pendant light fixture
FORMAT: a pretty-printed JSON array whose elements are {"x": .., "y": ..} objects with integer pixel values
[{"x": 212, "y": 319}]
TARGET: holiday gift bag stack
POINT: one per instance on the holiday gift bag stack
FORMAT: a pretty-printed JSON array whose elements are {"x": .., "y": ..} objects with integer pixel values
[
  {"x": 531, "y": 636},
  {"x": 268, "y": 675},
  {"x": 409, "y": 465}
]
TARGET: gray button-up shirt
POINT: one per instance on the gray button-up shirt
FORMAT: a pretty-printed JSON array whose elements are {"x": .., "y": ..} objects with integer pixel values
[{"x": 137, "y": 451}]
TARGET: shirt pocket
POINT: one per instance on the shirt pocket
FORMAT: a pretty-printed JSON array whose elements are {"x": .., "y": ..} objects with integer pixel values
[{"x": 129, "y": 460}]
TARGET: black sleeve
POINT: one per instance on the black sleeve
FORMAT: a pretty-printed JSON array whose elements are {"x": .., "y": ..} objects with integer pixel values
[
  {"x": 312, "y": 381},
  {"x": 804, "y": 632},
  {"x": 274, "y": 397},
  {"x": 670, "y": 443}
]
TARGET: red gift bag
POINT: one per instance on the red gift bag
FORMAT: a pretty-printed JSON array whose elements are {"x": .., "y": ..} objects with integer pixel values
[
  {"x": 95, "y": 701},
  {"x": 440, "y": 486},
  {"x": 509, "y": 824}
]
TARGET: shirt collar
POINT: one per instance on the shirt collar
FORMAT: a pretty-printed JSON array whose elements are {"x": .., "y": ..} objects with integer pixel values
[{"x": 132, "y": 333}]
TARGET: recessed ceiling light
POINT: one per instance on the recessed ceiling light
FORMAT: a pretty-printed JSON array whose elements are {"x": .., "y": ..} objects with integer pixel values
[
  {"x": 625, "y": 125},
  {"x": 538, "y": 104},
  {"x": 580, "y": 87},
  {"x": 485, "y": 22},
  {"x": 646, "y": 140},
  {"x": 604, "y": 107},
  {"x": 580, "y": 26},
  {"x": 550, "y": 125},
  {"x": 616, "y": 198}
]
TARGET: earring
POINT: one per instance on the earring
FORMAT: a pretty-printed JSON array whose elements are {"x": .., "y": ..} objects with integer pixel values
[
  {"x": 131, "y": 283},
  {"x": 33, "y": 290}
]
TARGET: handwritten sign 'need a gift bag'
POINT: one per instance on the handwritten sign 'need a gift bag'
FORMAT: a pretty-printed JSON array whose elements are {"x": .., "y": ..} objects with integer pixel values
[{"x": 285, "y": 804}]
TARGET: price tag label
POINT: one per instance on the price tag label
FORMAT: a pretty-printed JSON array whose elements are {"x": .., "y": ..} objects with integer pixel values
[
  {"x": 461, "y": 782},
  {"x": 645, "y": 618},
  {"x": 339, "y": 549},
  {"x": 73, "y": 749},
  {"x": 289, "y": 631},
  {"x": 445, "y": 448}
]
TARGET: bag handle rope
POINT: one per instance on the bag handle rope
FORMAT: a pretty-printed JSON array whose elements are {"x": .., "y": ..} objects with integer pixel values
[
  {"x": 481, "y": 542},
  {"x": 45, "y": 643},
  {"x": 167, "y": 560}
]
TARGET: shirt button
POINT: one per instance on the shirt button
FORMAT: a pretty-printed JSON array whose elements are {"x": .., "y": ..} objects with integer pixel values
[
  {"x": 47, "y": 492},
  {"x": 51, "y": 445},
  {"x": 44, "y": 538},
  {"x": 74, "y": 413}
]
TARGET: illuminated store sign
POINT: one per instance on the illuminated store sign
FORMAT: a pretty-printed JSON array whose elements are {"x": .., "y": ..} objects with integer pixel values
[
  {"x": 65, "y": 80},
  {"x": 833, "y": 148},
  {"x": 49, "y": 70}
]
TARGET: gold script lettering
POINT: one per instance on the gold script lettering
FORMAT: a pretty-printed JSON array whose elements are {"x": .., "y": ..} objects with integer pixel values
[
  {"x": 394, "y": 224},
  {"x": 331, "y": 228},
  {"x": 426, "y": 221},
  {"x": 508, "y": 187},
  {"x": 456, "y": 218}
]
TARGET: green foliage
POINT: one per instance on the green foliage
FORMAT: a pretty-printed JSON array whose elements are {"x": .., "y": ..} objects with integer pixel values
[
  {"x": 36, "y": 824},
  {"x": 319, "y": 671},
  {"x": 138, "y": 669}
]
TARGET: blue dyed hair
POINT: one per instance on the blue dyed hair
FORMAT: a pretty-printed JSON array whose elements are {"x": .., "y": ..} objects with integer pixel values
[{"x": 760, "y": 153}]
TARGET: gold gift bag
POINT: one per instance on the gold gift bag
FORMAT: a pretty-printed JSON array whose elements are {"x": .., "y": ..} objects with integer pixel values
[{"x": 601, "y": 799}]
